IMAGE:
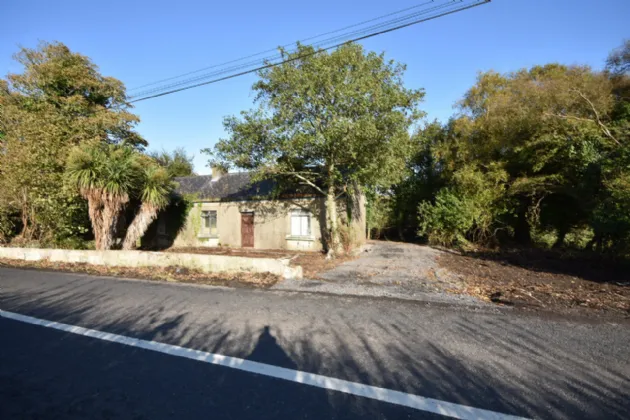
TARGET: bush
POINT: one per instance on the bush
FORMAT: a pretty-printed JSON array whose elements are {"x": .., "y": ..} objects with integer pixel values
[
  {"x": 468, "y": 211},
  {"x": 74, "y": 242},
  {"x": 447, "y": 221}
]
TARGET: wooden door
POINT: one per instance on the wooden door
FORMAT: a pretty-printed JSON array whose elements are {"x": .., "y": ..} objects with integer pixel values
[{"x": 247, "y": 230}]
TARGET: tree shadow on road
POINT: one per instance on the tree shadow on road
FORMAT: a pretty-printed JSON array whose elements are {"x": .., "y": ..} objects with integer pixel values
[{"x": 519, "y": 372}]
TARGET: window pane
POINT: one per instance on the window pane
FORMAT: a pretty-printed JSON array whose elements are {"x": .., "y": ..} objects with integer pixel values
[
  {"x": 295, "y": 225},
  {"x": 306, "y": 225},
  {"x": 213, "y": 222},
  {"x": 300, "y": 222}
]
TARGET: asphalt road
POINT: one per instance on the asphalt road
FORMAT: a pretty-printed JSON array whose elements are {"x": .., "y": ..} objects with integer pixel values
[{"x": 504, "y": 361}]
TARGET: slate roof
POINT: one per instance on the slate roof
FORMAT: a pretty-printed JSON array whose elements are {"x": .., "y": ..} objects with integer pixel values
[{"x": 236, "y": 186}]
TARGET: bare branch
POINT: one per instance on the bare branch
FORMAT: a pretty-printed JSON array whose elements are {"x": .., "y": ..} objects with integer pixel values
[
  {"x": 304, "y": 180},
  {"x": 604, "y": 128}
]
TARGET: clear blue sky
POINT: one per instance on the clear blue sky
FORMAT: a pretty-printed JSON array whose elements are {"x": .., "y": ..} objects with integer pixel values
[{"x": 140, "y": 41}]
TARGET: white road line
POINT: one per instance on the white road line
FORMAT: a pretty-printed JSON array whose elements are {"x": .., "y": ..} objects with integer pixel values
[{"x": 381, "y": 394}]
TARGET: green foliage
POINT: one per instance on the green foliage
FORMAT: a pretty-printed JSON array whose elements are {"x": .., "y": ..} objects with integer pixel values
[
  {"x": 379, "y": 212},
  {"x": 177, "y": 163},
  {"x": 112, "y": 170},
  {"x": 469, "y": 209},
  {"x": 156, "y": 186},
  {"x": 59, "y": 101},
  {"x": 327, "y": 120},
  {"x": 537, "y": 155}
]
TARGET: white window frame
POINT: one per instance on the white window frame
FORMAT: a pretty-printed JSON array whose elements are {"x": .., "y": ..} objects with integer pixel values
[
  {"x": 300, "y": 224},
  {"x": 206, "y": 224}
]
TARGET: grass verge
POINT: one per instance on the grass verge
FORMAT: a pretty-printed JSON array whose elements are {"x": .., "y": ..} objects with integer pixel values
[{"x": 168, "y": 274}]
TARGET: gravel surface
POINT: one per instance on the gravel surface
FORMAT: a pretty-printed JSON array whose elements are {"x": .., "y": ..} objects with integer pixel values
[{"x": 389, "y": 269}]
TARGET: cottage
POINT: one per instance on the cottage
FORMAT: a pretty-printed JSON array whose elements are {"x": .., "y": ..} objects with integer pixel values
[{"x": 229, "y": 209}]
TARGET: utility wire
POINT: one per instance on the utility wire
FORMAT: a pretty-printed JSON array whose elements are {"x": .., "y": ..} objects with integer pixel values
[
  {"x": 361, "y": 38},
  {"x": 284, "y": 46},
  {"x": 319, "y": 44}
]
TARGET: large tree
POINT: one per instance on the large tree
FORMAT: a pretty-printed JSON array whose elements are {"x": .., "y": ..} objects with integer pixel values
[
  {"x": 543, "y": 148},
  {"x": 154, "y": 193},
  {"x": 60, "y": 100},
  {"x": 327, "y": 120},
  {"x": 111, "y": 176},
  {"x": 106, "y": 176}
]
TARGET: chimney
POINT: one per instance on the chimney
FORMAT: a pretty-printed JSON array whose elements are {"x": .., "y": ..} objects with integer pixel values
[{"x": 217, "y": 173}]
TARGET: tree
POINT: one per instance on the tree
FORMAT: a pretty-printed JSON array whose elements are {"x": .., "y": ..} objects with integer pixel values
[
  {"x": 544, "y": 148},
  {"x": 549, "y": 128},
  {"x": 177, "y": 163},
  {"x": 59, "y": 101},
  {"x": 330, "y": 121},
  {"x": 618, "y": 62},
  {"x": 156, "y": 188},
  {"x": 106, "y": 175}
]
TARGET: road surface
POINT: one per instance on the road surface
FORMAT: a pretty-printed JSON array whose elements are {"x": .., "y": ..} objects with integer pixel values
[{"x": 492, "y": 363}]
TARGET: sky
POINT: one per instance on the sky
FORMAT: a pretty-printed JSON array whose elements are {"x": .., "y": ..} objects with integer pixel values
[{"x": 141, "y": 41}]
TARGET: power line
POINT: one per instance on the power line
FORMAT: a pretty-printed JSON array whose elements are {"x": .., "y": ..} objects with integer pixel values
[
  {"x": 361, "y": 38},
  {"x": 319, "y": 44},
  {"x": 284, "y": 46}
]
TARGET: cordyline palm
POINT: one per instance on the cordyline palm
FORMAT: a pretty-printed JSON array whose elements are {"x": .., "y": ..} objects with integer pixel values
[
  {"x": 105, "y": 175},
  {"x": 154, "y": 195}
]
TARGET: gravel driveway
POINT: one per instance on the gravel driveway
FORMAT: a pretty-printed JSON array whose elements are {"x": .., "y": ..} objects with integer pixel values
[{"x": 391, "y": 269}]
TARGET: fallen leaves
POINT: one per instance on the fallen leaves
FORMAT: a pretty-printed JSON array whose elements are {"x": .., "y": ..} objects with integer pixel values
[
  {"x": 170, "y": 274},
  {"x": 504, "y": 283}
]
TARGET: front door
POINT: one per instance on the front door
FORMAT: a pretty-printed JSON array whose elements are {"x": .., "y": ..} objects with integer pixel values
[{"x": 247, "y": 230}]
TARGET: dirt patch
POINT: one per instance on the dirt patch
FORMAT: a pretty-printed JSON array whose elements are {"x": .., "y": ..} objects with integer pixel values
[
  {"x": 315, "y": 263},
  {"x": 234, "y": 252},
  {"x": 542, "y": 281},
  {"x": 312, "y": 263},
  {"x": 170, "y": 274}
]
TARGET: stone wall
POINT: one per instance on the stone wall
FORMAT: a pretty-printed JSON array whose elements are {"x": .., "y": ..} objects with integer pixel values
[{"x": 205, "y": 263}]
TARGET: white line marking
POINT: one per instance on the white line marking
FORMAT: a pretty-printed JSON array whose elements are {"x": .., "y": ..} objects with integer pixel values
[{"x": 381, "y": 394}]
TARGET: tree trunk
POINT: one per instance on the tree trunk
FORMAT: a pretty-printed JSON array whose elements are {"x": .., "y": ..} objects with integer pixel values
[
  {"x": 522, "y": 230},
  {"x": 331, "y": 221},
  {"x": 112, "y": 208},
  {"x": 95, "y": 212},
  {"x": 138, "y": 227},
  {"x": 562, "y": 234}
]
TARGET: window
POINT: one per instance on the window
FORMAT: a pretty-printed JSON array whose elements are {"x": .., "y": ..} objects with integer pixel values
[
  {"x": 300, "y": 223},
  {"x": 209, "y": 223}
]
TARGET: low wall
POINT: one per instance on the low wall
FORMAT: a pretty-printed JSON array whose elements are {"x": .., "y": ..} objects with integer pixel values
[{"x": 205, "y": 263}]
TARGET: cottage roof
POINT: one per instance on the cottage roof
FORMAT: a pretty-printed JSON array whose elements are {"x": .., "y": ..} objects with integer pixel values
[{"x": 235, "y": 186}]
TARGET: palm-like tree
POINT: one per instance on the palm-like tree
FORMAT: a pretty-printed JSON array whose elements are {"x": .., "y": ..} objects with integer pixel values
[
  {"x": 105, "y": 174},
  {"x": 156, "y": 189}
]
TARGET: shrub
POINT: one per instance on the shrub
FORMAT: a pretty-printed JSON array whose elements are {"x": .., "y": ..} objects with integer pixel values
[{"x": 467, "y": 211}]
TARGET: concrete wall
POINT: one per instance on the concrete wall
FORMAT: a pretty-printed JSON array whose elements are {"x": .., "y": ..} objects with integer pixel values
[{"x": 205, "y": 263}]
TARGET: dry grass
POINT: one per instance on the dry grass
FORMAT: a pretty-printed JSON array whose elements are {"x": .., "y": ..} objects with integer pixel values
[
  {"x": 528, "y": 284},
  {"x": 235, "y": 252},
  {"x": 169, "y": 274},
  {"x": 312, "y": 263}
]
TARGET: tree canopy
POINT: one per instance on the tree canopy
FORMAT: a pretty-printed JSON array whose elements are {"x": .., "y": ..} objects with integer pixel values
[
  {"x": 326, "y": 120},
  {"x": 533, "y": 154},
  {"x": 59, "y": 101}
]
